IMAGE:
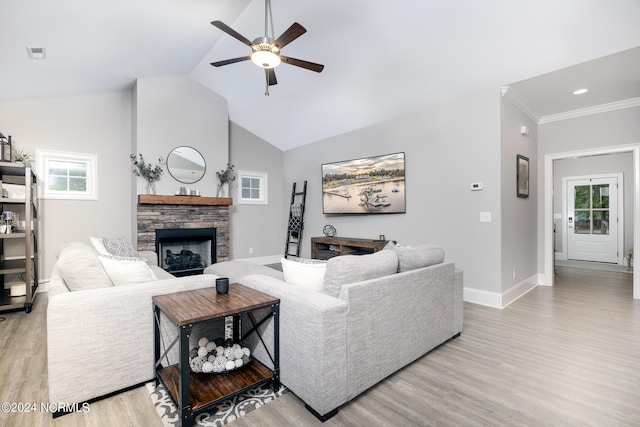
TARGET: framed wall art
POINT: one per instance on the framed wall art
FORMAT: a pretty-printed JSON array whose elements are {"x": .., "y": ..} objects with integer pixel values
[
  {"x": 523, "y": 176},
  {"x": 371, "y": 185}
]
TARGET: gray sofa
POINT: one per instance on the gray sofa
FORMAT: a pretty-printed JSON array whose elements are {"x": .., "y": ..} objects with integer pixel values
[
  {"x": 373, "y": 315},
  {"x": 100, "y": 335}
]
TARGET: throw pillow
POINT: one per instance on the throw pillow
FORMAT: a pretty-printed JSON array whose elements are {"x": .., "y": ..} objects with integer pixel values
[
  {"x": 126, "y": 270},
  {"x": 356, "y": 268},
  {"x": 308, "y": 274},
  {"x": 410, "y": 258},
  {"x": 80, "y": 268},
  {"x": 118, "y": 246}
]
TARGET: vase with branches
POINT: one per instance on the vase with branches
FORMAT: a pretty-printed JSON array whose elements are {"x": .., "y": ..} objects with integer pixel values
[
  {"x": 224, "y": 176},
  {"x": 150, "y": 173}
]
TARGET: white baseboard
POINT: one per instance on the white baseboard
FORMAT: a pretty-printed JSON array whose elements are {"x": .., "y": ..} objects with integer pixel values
[
  {"x": 541, "y": 280},
  {"x": 500, "y": 300},
  {"x": 478, "y": 296},
  {"x": 519, "y": 290}
]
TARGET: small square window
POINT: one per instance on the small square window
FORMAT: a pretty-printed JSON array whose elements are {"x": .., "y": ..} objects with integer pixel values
[
  {"x": 252, "y": 188},
  {"x": 67, "y": 175}
]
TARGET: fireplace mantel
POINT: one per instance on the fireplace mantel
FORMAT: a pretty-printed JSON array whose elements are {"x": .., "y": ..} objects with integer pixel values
[{"x": 154, "y": 199}]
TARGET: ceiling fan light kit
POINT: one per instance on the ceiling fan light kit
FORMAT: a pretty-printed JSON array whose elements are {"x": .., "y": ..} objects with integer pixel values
[
  {"x": 266, "y": 50},
  {"x": 265, "y": 54}
]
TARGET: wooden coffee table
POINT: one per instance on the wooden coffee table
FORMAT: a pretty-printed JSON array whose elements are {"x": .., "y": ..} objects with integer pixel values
[{"x": 193, "y": 392}]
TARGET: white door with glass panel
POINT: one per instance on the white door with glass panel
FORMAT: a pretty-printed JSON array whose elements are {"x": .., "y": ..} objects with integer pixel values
[{"x": 592, "y": 219}]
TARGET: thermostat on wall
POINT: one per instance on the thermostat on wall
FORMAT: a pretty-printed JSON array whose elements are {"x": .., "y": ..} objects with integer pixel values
[{"x": 476, "y": 186}]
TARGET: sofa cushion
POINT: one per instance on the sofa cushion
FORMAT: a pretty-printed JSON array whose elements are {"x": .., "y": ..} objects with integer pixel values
[
  {"x": 236, "y": 270},
  {"x": 80, "y": 268},
  {"x": 305, "y": 273},
  {"x": 356, "y": 268},
  {"x": 126, "y": 270},
  {"x": 410, "y": 258},
  {"x": 98, "y": 245}
]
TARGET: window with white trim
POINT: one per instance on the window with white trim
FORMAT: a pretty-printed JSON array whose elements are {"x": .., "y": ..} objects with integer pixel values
[
  {"x": 252, "y": 188},
  {"x": 67, "y": 175}
]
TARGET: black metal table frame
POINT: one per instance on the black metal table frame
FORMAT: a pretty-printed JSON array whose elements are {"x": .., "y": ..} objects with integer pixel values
[{"x": 183, "y": 400}]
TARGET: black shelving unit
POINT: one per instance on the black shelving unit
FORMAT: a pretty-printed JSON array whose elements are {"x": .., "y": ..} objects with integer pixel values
[{"x": 24, "y": 264}]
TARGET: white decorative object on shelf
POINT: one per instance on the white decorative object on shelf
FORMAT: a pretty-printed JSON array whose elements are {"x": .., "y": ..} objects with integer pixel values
[{"x": 211, "y": 358}]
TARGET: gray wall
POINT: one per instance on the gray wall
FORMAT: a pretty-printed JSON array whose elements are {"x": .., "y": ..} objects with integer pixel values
[
  {"x": 174, "y": 111},
  {"x": 260, "y": 227},
  {"x": 447, "y": 148},
  {"x": 95, "y": 124},
  {"x": 614, "y": 128},
  {"x": 519, "y": 215}
]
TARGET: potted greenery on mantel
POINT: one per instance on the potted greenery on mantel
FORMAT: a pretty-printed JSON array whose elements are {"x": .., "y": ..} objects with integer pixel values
[
  {"x": 224, "y": 176},
  {"x": 151, "y": 174}
]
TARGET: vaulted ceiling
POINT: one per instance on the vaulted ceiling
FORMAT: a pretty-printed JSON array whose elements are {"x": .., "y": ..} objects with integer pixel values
[{"x": 382, "y": 59}]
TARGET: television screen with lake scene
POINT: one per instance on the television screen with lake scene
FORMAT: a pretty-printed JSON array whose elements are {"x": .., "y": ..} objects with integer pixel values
[{"x": 373, "y": 185}]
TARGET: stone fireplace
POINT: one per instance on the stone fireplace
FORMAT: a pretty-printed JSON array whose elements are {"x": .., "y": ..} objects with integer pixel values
[{"x": 173, "y": 216}]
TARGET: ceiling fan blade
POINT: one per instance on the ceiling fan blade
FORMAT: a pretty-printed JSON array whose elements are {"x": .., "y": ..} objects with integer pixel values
[
  {"x": 294, "y": 31},
  {"x": 230, "y": 61},
  {"x": 303, "y": 64},
  {"x": 271, "y": 76},
  {"x": 233, "y": 33}
]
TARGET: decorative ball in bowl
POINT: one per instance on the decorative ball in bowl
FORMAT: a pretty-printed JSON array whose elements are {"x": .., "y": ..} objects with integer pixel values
[{"x": 212, "y": 358}]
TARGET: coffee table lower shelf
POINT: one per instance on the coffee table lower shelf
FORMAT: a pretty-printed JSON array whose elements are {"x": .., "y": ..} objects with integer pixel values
[{"x": 208, "y": 390}]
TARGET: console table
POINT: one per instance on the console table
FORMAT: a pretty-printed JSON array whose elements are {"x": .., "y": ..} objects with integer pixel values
[
  {"x": 193, "y": 392},
  {"x": 328, "y": 247}
]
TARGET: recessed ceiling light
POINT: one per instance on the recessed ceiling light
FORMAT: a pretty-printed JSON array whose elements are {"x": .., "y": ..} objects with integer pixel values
[
  {"x": 36, "y": 52},
  {"x": 580, "y": 91}
]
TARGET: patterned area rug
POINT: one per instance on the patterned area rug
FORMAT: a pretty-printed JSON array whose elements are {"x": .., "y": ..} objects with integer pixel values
[{"x": 225, "y": 412}]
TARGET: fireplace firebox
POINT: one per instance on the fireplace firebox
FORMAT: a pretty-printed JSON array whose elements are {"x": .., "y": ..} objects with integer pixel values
[{"x": 186, "y": 251}]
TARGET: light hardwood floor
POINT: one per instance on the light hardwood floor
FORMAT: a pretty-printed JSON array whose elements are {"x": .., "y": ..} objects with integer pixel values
[{"x": 564, "y": 356}]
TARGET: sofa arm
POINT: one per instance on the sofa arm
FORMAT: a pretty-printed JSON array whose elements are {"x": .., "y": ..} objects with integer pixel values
[
  {"x": 101, "y": 340},
  {"x": 312, "y": 342},
  {"x": 458, "y": 299},
  {"x": 149, "y": 256},
  {"x": 394, "y": 320}
]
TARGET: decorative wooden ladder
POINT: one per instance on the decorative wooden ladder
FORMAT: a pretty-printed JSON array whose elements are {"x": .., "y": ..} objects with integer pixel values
[{"x": 296, "y": 221}]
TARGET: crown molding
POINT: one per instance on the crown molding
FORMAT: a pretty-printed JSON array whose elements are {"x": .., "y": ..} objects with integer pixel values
[
  {"x": 612, "y": 106},
  {"x": 513, "y": 98}
]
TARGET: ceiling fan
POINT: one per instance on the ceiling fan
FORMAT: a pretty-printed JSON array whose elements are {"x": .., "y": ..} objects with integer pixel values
[{"x": 266, "y": 50}]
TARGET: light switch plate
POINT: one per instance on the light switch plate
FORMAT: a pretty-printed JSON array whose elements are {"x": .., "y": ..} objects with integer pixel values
[{"x": 485, "y": 216}]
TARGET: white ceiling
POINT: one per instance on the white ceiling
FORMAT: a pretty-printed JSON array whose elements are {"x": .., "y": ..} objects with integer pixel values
[{"x": 382, "y": 59}]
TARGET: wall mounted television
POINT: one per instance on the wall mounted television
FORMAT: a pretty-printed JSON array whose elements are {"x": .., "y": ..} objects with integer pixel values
[{"x": 371, "y": 185}]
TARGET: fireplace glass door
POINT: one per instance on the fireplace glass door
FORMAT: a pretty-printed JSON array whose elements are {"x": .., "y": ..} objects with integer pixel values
[{"x": 184, "y": 252}]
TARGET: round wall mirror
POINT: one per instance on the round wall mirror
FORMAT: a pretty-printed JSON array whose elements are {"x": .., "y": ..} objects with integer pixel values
[{"x": 186, "y": 164}]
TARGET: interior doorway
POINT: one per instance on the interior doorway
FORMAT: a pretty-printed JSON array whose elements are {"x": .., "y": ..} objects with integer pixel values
[{"x": 548, "y": 205}]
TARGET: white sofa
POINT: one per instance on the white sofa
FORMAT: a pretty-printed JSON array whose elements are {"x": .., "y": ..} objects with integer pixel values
[
  {"x": 100, "y": 336},
  {"x": 373, "y": 315}
]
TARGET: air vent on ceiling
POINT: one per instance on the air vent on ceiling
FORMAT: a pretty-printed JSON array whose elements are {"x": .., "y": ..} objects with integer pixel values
[{"x": 36, "y": 52}]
